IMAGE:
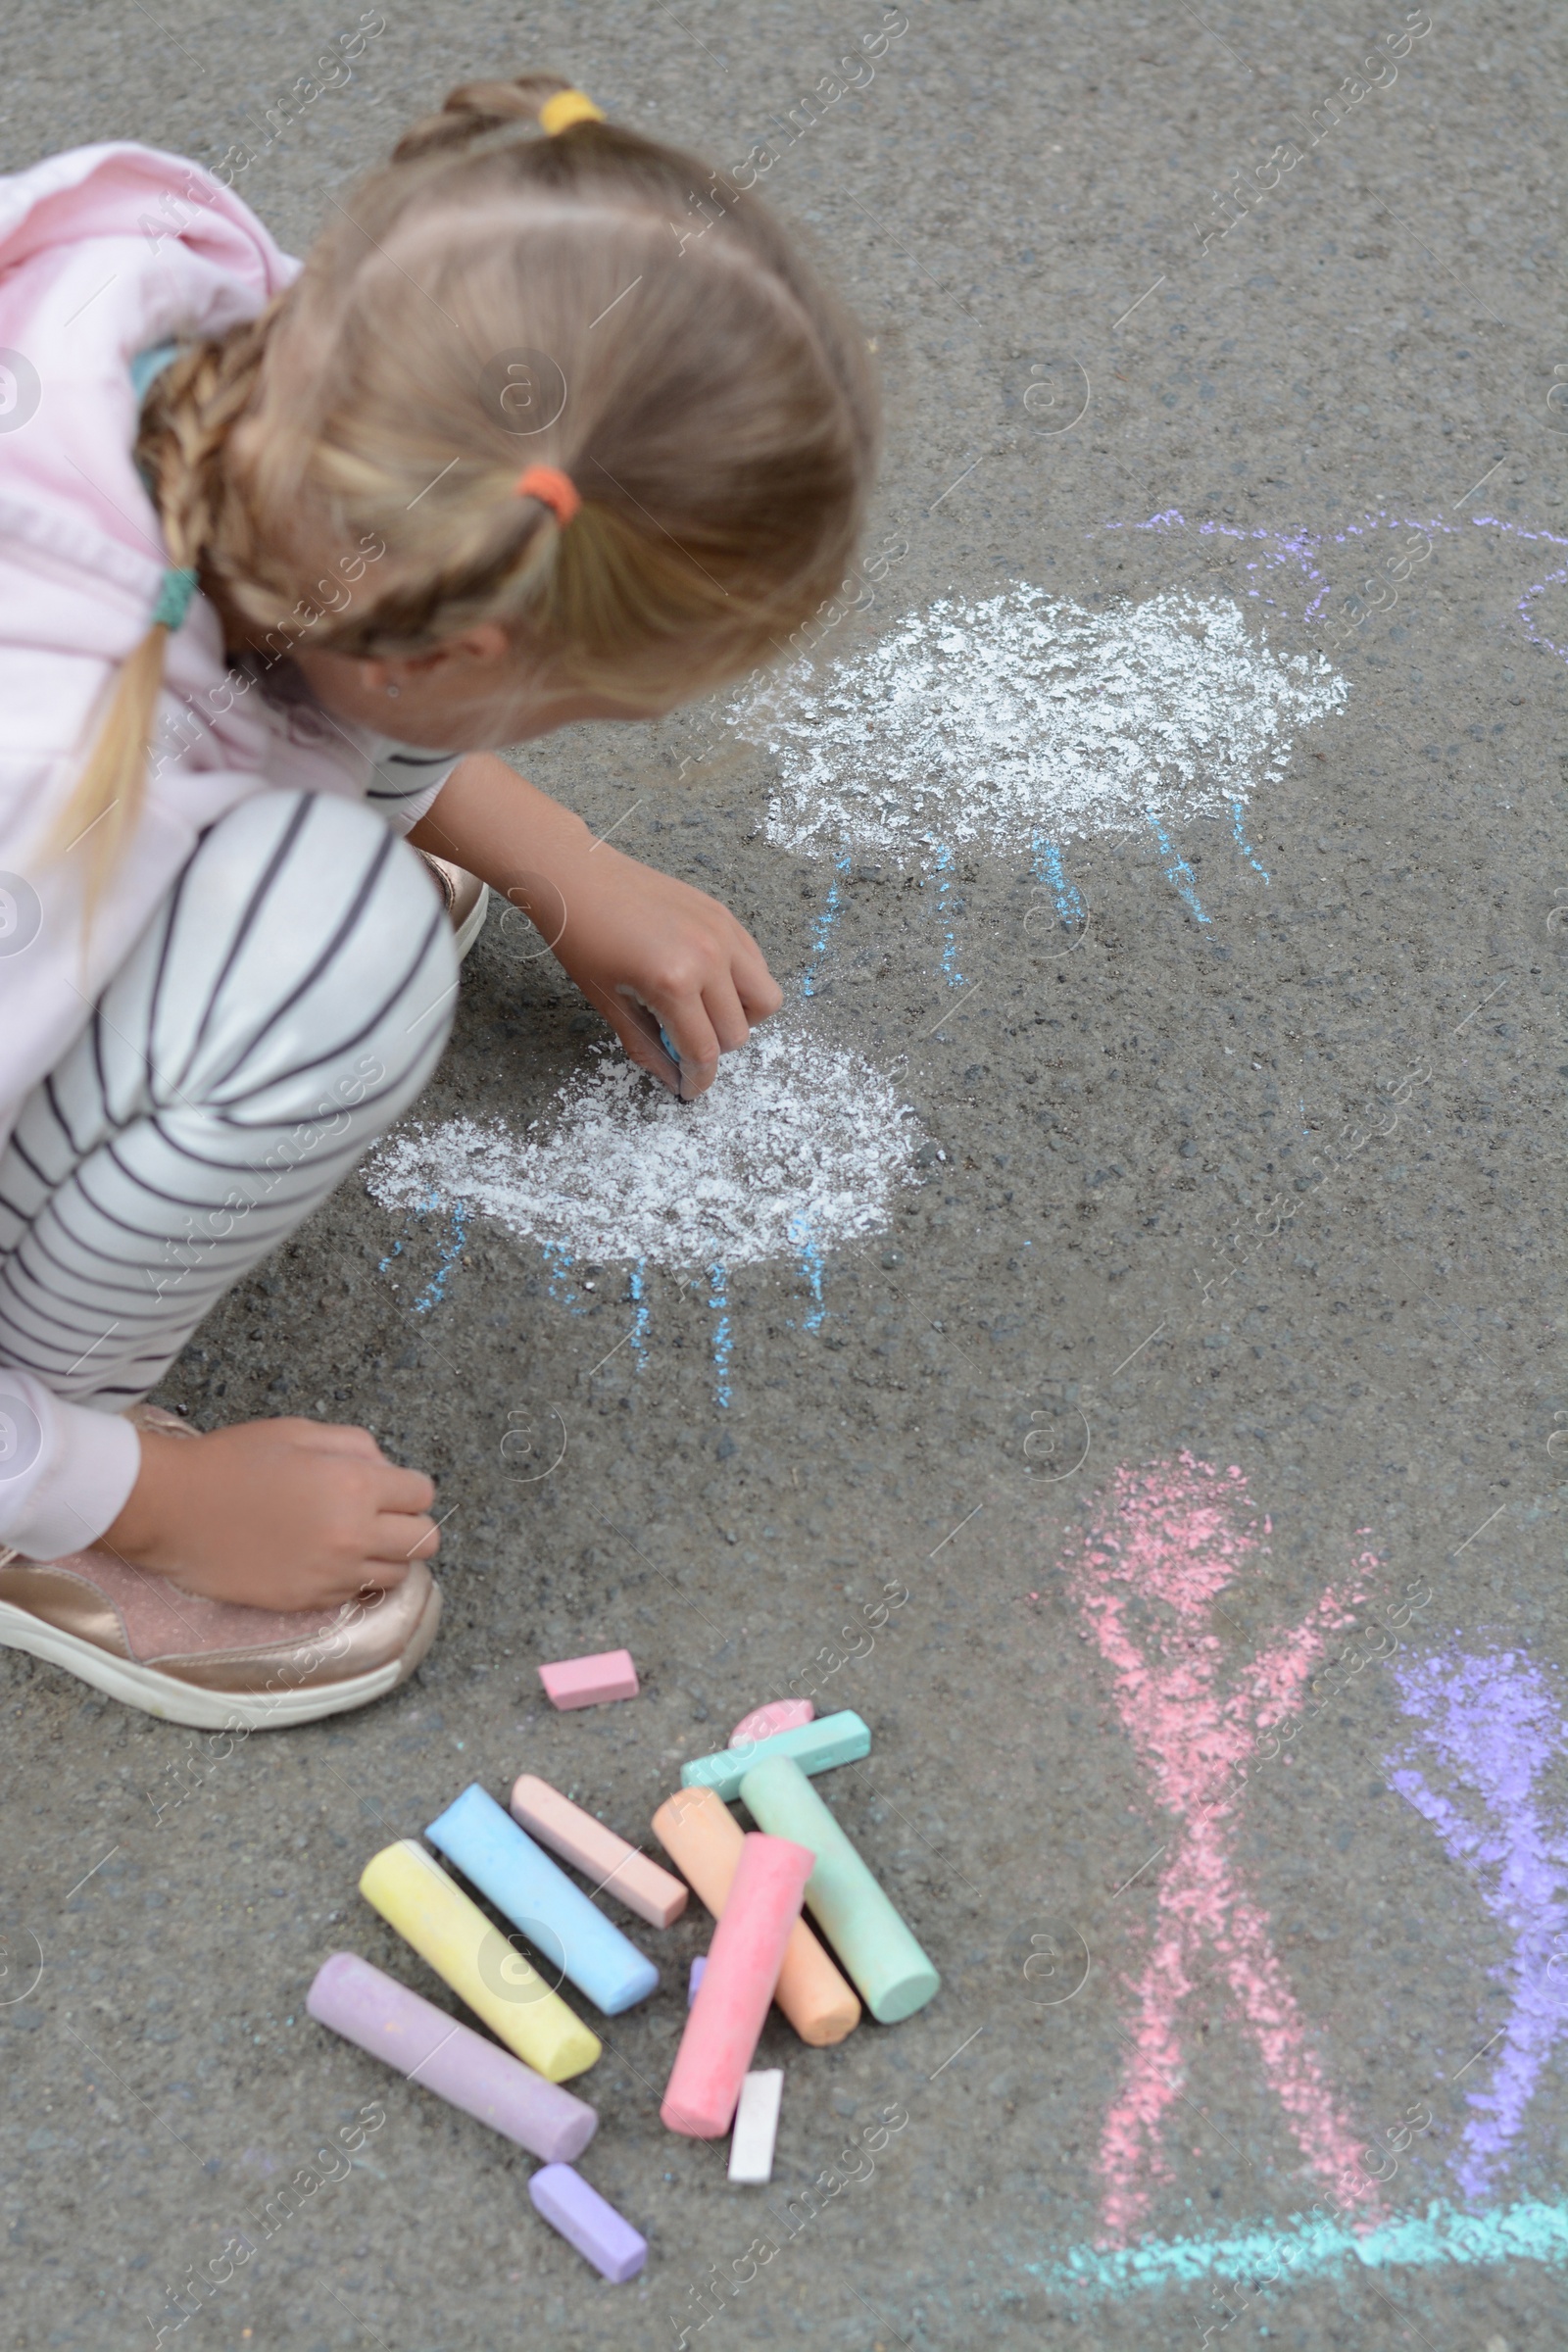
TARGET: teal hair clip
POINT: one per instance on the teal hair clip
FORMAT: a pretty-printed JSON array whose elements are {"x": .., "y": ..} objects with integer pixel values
[{"x": 174, "y": 593}]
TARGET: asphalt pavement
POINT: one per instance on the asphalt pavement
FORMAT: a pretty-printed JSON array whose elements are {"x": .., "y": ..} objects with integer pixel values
[{"x": 1150, "y": 1419}]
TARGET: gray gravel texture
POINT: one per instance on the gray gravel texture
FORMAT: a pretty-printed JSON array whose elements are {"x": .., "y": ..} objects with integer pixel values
[{"x": 1373, "y": 337}]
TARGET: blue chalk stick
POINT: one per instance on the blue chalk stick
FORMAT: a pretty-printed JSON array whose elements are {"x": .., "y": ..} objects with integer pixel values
[
  {"x": 557, "y": 1917},
  {"x": 815, "y": 1746},
  {"x": 698, "y": 1965}
]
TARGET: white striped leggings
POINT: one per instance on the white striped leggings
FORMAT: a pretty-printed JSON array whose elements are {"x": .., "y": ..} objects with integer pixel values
[{"x": 289, "y": 999}]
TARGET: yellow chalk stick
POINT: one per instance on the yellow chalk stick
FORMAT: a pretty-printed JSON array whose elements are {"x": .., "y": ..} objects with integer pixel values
[{"x": 414, "y": 1896}]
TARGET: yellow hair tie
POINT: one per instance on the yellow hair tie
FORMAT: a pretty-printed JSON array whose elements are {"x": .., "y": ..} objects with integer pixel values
[{"x": 566, "y": 108}]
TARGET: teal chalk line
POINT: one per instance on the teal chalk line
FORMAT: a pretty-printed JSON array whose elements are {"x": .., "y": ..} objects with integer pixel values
[{"x": 1531, "y": 2232}]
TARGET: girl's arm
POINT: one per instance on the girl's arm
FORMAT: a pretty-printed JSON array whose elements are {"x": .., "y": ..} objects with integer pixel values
[{"x": 645, "y": 950}]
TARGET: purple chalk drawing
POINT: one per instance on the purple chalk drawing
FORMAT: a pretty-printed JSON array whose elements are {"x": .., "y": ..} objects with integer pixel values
[
  {"x": 1289, "y": 548},
  {"x": 1300, "y": 550},
  {"x": 1497, "y": 1725}
]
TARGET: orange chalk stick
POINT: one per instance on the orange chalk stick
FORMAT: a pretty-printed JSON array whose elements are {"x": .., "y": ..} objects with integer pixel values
[
  {"x": 618, "y": 1867},
  {"x": 702, "y": 1837}
]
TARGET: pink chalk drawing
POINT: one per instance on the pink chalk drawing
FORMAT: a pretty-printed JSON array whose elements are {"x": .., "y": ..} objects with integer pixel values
[
  {"x": 1165, "y": 1544},
  {"x": 1497, "y": 1723}
]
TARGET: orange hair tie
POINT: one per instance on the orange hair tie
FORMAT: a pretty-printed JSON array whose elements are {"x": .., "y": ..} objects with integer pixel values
[{"x": 552, "y": 488}]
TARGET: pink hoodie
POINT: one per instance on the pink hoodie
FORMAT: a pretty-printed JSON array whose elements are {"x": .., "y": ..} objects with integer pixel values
[{"x": 104, "y": 252}]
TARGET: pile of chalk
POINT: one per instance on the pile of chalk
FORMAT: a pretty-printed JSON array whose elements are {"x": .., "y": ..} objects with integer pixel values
[{"x": 755, "y": 1883}]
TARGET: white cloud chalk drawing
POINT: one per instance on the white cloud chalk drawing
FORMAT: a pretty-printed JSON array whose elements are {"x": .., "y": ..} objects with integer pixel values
[
  {"x": 796, "y": 1146},
  {"x": 1023, "y": 714}
]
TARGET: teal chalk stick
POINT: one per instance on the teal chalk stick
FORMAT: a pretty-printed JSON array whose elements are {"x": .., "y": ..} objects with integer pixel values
[
  {"x": 813, "y": 1747},
  {"x": 892, "y": 1973}
]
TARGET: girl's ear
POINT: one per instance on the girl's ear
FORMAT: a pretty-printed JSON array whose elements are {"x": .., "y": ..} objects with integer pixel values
[
  {"x": 485, "y": 643},
  {"x": 486, "y": 646}
]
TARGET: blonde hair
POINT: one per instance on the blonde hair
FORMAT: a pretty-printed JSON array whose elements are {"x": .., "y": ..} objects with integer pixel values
[{"x": 710, "y": 401}]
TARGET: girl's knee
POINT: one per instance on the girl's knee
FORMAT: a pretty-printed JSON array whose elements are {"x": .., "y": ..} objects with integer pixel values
[
  {"x": 284, "y": 845},
  {"x": 303, "y": 923}
]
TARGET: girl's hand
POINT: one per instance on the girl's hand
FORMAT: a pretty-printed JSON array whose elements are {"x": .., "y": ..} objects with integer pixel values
[
  {"x": 651, "y": 953},
  {"x": 284, "y": 1514},
  {"x": 646, "y": 952}
]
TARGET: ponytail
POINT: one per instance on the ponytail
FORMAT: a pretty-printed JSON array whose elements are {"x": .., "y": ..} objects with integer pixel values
[
  {"x": 186, "y": 418},
  {"x": 102, "y": 812},
  {"x": 476, "y": 107}
]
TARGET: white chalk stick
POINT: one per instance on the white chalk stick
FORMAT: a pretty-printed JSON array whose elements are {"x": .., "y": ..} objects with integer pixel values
[{"x": 751, "y": 2147}]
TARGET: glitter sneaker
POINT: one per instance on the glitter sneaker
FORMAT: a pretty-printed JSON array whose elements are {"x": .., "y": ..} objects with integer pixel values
[
  {"x": 212, "y": 1664},
  {"x": 467, "y": 899}
]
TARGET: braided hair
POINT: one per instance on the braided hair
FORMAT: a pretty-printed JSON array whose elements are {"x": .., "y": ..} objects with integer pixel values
[{"x": 491, "y": 300}]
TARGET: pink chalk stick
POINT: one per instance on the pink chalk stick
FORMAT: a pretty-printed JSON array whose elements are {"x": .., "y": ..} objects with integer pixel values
[
  {"x": 590, "y": 1682},
  {"x": 743, "y": 1959},
  {"x": 779, "y": 1715},
  {"x": 616, "y": 1866},
  {"x": 443, "y": 2055}
]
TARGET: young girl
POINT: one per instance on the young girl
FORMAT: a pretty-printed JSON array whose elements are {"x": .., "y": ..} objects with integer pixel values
[{"x": 552, "y": 426}]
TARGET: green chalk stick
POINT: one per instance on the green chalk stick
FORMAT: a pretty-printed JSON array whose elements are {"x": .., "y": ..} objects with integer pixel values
[
  {"x": 892, "y": 1973},
  {"x": 815, "y": 1746}
]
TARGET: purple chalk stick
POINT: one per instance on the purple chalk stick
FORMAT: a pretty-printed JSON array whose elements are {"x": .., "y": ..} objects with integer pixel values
[
  {"x": 587, "y": 2223},
  {"x": 698, "y": 1965},
  {"x": 441, "y": 2055}
]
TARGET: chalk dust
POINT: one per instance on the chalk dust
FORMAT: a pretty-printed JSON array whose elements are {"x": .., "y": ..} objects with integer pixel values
[
  {"x": 797, "y": 1146},
  {"x": 1022, "y": 714}
]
